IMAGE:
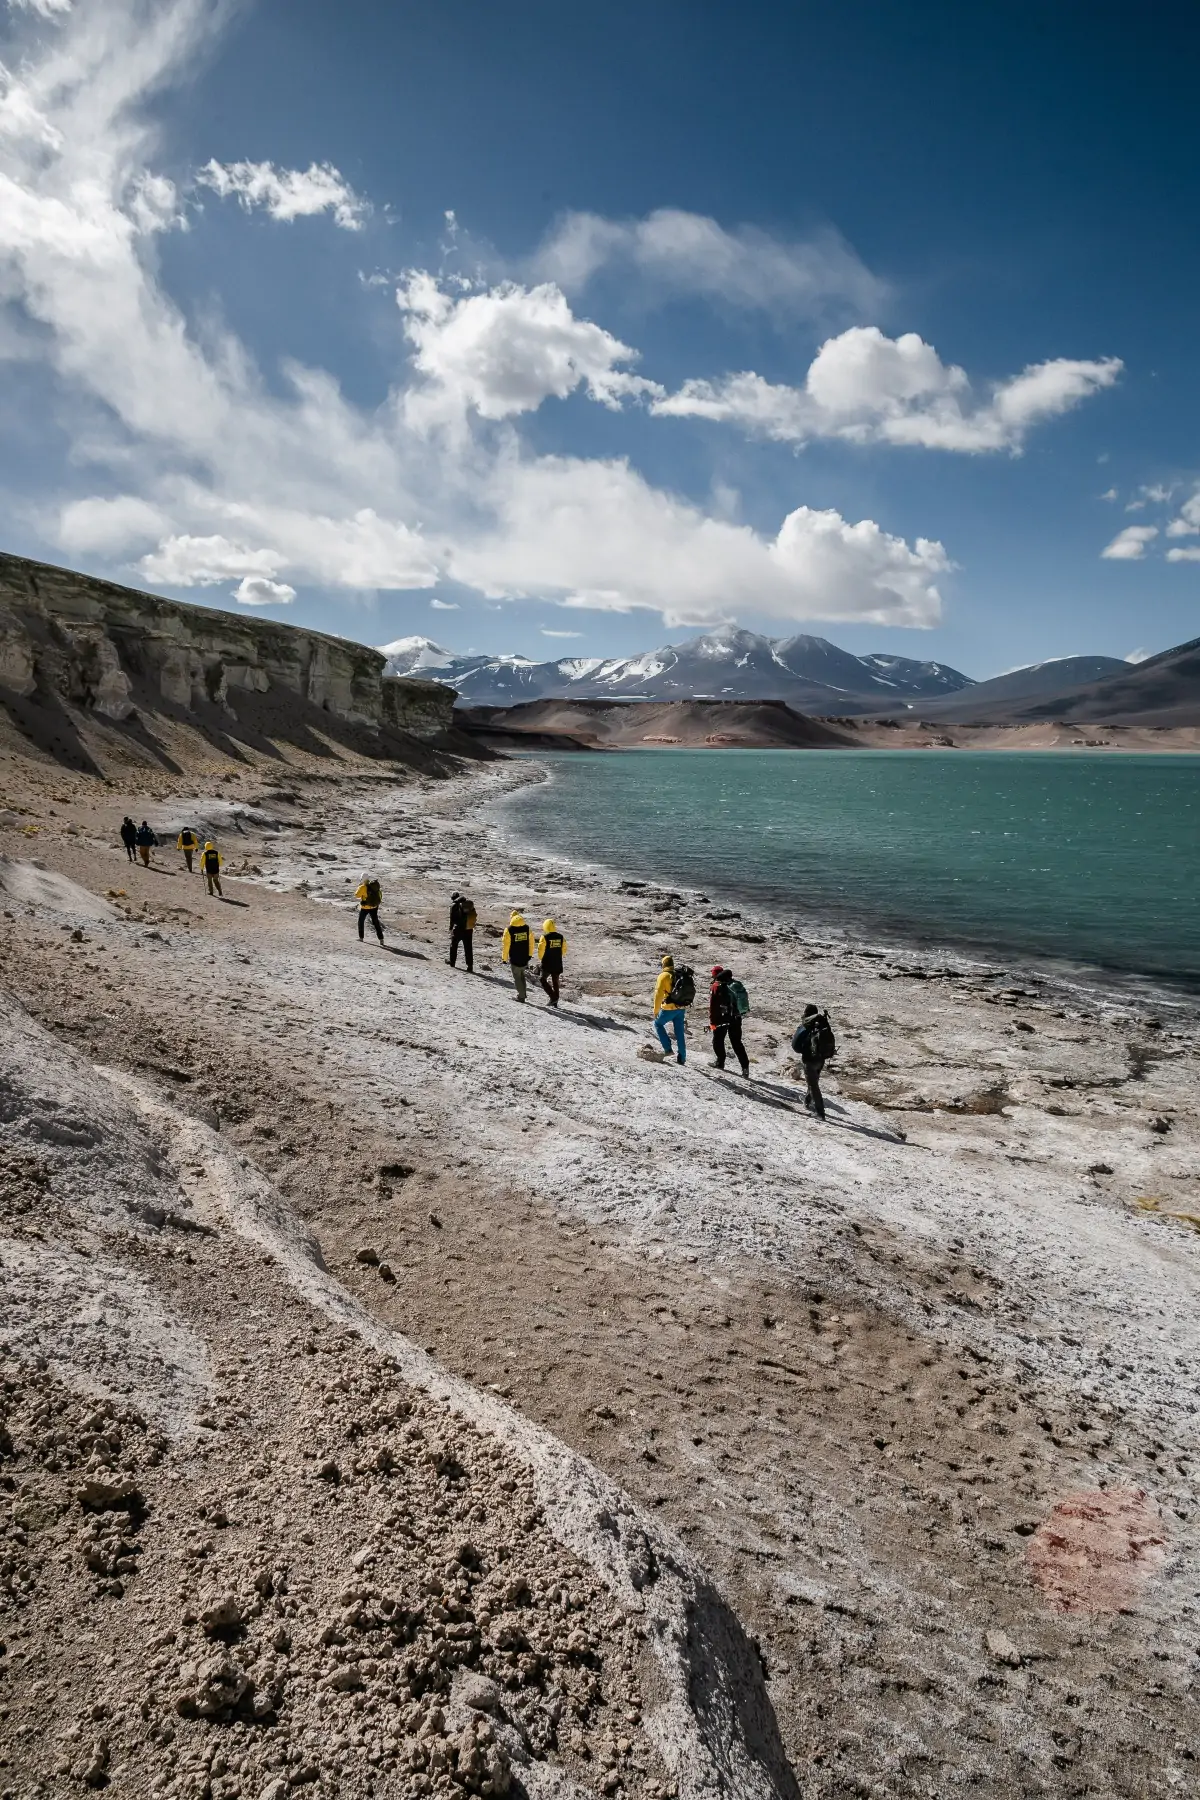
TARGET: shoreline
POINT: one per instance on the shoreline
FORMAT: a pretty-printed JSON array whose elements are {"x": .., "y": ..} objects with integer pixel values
[
  {"x": 860, "y": 1369},
  {"x": 1104, "y": 984}
]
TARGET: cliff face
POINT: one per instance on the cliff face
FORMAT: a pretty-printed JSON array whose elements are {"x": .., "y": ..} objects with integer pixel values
[{"x": 99, "y": 653}]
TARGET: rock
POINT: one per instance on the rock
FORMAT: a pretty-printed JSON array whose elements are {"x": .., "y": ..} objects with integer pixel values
[
  {"x": 221, "y": 1613},
  {"x": 329, "y": 1471},
  {"x": 274, "y": 1790},
  {"x": 1099, "y": 1169},
  {"x": 1161, "y": 1126},
  {"x": 345, "y": 1679},
  {"x": 386, "y": 1273},
  {"x": 648, "y": 1053},
  {"x": 479, "y": 1693},
  {"x": 109, "y": 1493},
  {"x": 371, "y": 1257},
  {"x": 1002, "y": 1649},
  {"x": 95, "y": 1772},
  {"x": 435, "y": 1221}
]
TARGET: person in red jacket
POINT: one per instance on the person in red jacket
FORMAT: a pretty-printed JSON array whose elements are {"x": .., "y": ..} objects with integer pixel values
[{"x": 725, "y": 1020}]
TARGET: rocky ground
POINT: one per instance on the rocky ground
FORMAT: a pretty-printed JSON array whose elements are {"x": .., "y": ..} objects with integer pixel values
[{"x": 307, "y": 1485}]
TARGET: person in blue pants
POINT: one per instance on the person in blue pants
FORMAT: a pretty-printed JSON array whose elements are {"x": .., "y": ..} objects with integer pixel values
[{"x": 670, "y": 1015}]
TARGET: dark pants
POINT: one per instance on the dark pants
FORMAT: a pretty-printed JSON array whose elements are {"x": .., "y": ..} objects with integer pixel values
[
  {"x": 549, "y": 980},
  {"x": 518, "y": 975},
  {"x": 372, "y": 913},
  {"x": 734, "y": 1032},
  {"x": 131, "y": 853},
  {"x": 463, "y": 938},
  {"x": 813, "y": 1100},
  {"x": 187, "y": 857}
]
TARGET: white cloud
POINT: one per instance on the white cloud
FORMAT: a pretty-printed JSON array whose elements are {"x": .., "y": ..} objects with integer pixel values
[
  {"x": 1130, "y": 545},
  {"x": 1138, "y": 656},
  {"x": 444, "y": 605},
  {"x": 503, "y": 352},
  {"x": 286, "y": 193},
  {"x": 223, "y": 478},
  {"x": 256, "y": 590},
  {"x": 1188, "y": 522},
  {"x": 1182, "y": 528},
  {"x": 45, "y": 9},
  {"x": 1190, "y": 554},
  {"x": 1110, "y": 494},
  {"x": 687, "y": 253},
  {"x": 561, "y": 634},
  {"x": 871, "y": 389}
]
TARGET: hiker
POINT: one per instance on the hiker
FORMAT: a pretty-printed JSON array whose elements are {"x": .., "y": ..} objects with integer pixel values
[
  {"x": 129, "y": 837},
  {"x": 674, "y": 992},
  {"x": 189, "y": 843},
  {"x": 210, "y": 868},
  {"x": 369, "y": 895},
  {"x": 552, "y": 947},
  {"x": 462, "y": 924},
  {"x": 814, "y": 1044},
  {"x": 515, "y": 951},
  {"x": 725, "y": 1012},
  {"x": 146, "y": 841}
]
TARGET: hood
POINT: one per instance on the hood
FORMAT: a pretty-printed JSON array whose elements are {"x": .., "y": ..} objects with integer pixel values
[
  {"x": 517, "y": 919},
  {"x": 549, "y": 925}
]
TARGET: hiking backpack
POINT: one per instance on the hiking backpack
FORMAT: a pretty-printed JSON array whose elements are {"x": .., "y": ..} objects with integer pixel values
[
  {"x": 374, "y": 893},
  {"x": 740, "y": 997},
  {"x": 818, "y": 1034},
  {"x": 683, "y": 988}
]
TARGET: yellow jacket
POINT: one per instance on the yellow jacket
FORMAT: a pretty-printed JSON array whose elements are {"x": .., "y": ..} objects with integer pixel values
[
  {"x": 360, "y": 894},
  {"x": 541, "y": 943},
  {"x": 187, "y": 839},
  {"x": 662, "y": 988},
  {"x": 506, "y": 943}
]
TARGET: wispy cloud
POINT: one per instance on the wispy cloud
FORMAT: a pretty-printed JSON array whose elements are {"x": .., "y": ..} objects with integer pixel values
[
  {"x": 1130, "y": 545},
  {"x": 286, "y": 194},
  {"x": 674, "y": 252},
  {"x": 561, "y": 634},
  {"x": 444, "y": 605}
]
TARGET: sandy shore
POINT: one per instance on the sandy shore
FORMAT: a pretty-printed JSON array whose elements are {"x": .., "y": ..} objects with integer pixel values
[{"x": 915, "y": 1388}]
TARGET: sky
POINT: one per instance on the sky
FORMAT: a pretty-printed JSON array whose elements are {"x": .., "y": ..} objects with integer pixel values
[{"x": 571, "y": 331}]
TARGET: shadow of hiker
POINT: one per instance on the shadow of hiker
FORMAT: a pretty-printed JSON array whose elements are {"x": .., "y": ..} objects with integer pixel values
[
  {"x": 396, "y": 950},
  {"x": 227, "y": 900}
]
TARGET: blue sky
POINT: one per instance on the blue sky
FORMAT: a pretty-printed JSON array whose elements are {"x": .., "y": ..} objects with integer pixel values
[{"x": 573, "y": 330}]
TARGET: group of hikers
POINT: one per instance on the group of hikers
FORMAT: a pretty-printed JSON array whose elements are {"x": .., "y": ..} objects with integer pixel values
[
  {"x": 674, "y": 991},
  {"x": 139, "y": 840}
]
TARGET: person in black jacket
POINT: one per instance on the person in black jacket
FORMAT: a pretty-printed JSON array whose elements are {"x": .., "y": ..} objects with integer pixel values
[
  {"x": 725, "y": 1021},
  {"x": 462, "y": 927},
  {"x": 129, "y": 837},
  {"x": 145, "y": 841},
  {"x": 810, "y": 1044}
]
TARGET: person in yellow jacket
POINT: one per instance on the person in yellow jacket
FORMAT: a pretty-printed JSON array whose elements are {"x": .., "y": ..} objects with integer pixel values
[
  {"x": 671, "y": 1014},
  {"x": 189, "y": 843},
  {"x": 552, "y": 947},
  {"x": 515, "y": 950},
  {"x": 369, "y": 894},
  {"x": 210, "y": 867}
]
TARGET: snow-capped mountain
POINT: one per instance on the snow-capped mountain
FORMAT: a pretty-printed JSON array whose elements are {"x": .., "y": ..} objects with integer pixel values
[{"x": 809, "y": 672}]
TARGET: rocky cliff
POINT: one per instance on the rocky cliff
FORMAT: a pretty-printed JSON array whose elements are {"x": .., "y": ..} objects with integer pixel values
[{"x": 86, "y": 665}]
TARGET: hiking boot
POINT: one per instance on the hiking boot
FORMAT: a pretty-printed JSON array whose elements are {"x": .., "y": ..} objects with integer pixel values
[{"x": 681, "y": 1060}]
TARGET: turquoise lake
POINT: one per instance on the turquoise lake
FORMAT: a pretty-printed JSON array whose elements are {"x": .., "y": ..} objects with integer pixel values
[{"x": 1089, "y": 860}]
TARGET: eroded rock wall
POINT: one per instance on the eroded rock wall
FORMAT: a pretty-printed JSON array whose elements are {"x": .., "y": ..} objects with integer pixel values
[{"x": 112, "y": 650}]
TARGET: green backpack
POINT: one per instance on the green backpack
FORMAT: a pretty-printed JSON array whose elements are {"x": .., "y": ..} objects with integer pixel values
[{"x": 741, "y": 998}]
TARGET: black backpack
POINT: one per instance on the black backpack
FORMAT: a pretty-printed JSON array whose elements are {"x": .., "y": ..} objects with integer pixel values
[
  {"x": 683, "y": 988},
  {"x": 374, "y": 893},
  {"x": 816, "y": 1037}
]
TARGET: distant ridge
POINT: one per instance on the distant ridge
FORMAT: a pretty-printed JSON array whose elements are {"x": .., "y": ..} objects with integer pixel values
[{"x": 809, "y": 673}]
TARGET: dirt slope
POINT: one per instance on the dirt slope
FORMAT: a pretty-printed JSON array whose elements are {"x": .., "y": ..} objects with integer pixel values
[{"x": 651, "y": 724}]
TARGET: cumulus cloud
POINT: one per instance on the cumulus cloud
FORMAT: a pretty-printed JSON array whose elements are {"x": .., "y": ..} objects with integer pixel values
[
  {"x": 503, "y": 352},
  {"x": 867, "y": 388},
  {"x": 1187, "y": 524},
  {"x": 1190, "y": 554},
  {"x": 286, "y": 193},
  {"x": 678, "y": 252},
  {"x": 203, "y": 474},
  {"x": 256, "y": 590},
  {"x": 1130, "y": 545}
]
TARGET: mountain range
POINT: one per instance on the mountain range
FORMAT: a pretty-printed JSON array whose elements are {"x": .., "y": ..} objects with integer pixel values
[{"x": 811, "y": 674}]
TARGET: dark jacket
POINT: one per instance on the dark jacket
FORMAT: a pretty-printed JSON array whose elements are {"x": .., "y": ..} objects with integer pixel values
[
  {"x": 145, "y": 835},
  {"x": 806, "y": 1043},
  {"x": 722, "y": 1007},
  {"x": 128, "y": 831}
]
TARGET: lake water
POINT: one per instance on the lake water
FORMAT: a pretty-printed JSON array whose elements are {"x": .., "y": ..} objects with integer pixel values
[{"x": 1084, "y": 859}]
